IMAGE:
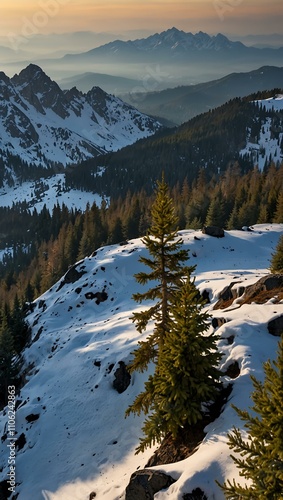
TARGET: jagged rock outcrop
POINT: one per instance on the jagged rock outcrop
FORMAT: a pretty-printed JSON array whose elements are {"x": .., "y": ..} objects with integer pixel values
[
  {"x": 275, "y": 326},
  {"x": 267, "y": 283},
  {"x": 265, "y": 288},
  {"x": 215, "y": 231},
  {"x": 145, "y": 483},
  {"x": 122, "y": 378}
]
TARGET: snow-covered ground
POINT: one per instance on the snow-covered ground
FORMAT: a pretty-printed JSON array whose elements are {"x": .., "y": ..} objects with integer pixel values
[
  {"x": 81, "y": 442},
  {"x": 266, "y": 147},
  {"x": 54, "y": 192}
]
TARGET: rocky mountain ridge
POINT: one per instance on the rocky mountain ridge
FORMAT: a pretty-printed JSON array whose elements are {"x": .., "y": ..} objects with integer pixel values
[{"x": 44, "y": 125}]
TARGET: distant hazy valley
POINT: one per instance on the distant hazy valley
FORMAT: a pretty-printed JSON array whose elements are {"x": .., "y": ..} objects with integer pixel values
[{"x": 157, "y": 62}]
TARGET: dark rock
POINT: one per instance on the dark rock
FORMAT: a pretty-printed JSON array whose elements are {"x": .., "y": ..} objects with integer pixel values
[
  {"x": 32, "y": 417},
  {"x": 267, "y": 283},
  {"x": 205, "y": 296},
  {"x": 37, "y": 336},
  {"x": 99, "y": 296},
  {"x": 4, "y": 490},
  {"x": 217, "y": 322},
  {"x": 230, "y": 339},
  {"x": 71, "y": 276},
  {"x": 110, "y": 367},
  {"x": 228, "y": 294},
  {"x": 42, "y": 305},
  {"x": 197, "y": 494},
  {"x": 122, "y": 378},
  {"x": 275, "y": 326},
  {"x": 20, "y": 442},
  {"x": 92, "y": 495},
  {"x": 233, "y": 370},
  {"x": 215, "y": 231},
  {"x": 145, "y": 483}
]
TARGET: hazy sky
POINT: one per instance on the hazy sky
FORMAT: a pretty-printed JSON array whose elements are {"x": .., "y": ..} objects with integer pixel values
[{"x": 212, "y": 16}]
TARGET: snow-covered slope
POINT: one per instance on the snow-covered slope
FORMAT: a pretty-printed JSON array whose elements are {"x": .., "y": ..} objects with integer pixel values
[
  {"x": 43, "y": 124},
  {"x": 49, "y": 192},
  {"x": 269, "y": 144},
  {"x": 74, "y": 437}
]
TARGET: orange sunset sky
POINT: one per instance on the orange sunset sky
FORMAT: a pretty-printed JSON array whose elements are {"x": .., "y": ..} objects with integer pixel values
[{"x": 212, "y": 16}]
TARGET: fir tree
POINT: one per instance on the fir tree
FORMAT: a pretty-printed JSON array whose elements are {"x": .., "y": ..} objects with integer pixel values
[
  {"x": 186, "y": 375},
  {"x": 9, "y": 368},
  {"x": 260, "y": 457},
  {"x": 277, "y": 258},
  {"x": 216, "y": 211},
  {"x": 166, "y": 270},
  {"x": 184, "y": 378},
  {"x": 278, "y": 216},
  {"x": 19, "y": 328}
]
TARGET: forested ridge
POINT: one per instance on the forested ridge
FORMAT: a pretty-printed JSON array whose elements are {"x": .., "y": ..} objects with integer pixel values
[
  {"x": 212, "y": 140},
  {"x": 42, "y": 245}
]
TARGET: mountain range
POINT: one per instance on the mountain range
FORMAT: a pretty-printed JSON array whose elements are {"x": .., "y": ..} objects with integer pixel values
[
  {"x": 172, "y": 43},
  {"x": 174, "y": 57},
  {"x": 44, "y": 125},
  {"x": 159, "y": 61},
  {"x": 182, "y": 103},
  {"x": 71, "y": 436}
]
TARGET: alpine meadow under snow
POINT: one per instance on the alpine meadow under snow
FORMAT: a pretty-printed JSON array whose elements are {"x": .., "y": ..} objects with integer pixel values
[{"x": 74, "y": 439}]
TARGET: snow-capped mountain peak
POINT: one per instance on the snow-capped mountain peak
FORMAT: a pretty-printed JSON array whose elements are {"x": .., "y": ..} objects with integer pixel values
[{"x": 44, "y": 125}]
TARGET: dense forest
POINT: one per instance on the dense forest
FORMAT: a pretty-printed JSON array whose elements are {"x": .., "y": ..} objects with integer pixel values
[
  {"x": 40, "y": 246},
  {"x": 212, "y": 141}
]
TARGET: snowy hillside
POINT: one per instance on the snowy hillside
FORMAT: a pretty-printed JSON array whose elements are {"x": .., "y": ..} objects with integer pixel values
[
  {"x": 45, "y": 125},
  {"x": 267, "y": 146},
  {"x": 73, "y": 437},
  {"x": 49, "y": 192}
]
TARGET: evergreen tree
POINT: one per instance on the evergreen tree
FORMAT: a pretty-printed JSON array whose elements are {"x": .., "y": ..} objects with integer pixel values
[
  {"x": 19, "y": 328},
  {"x": 186, "y": 375},
  {"x": 277, "y": 258},
  {"x": 8, "y": 366},
  {"x": 173, "y": 394},
  {"x": 260, "y": 457},
  {"x": 216, "y": 211},
  {"x": 278, "y": 216},
  {"x": 166, "y": 269}
]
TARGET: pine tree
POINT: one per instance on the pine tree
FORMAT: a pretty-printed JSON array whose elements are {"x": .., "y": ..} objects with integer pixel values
[
  {"x": 278, "y": 216},
  {"x": 184, "y": 378},
  {"x": 277, "y": 258},
  {"x": 19, "y": 328},
  {"x": 260, "y": 457},
  {"x": 167, "y": 268},
  {"x": 186, "y": 375},
  {"x": 8, "y": 366},
  {"x": 216, "y": 211}
]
